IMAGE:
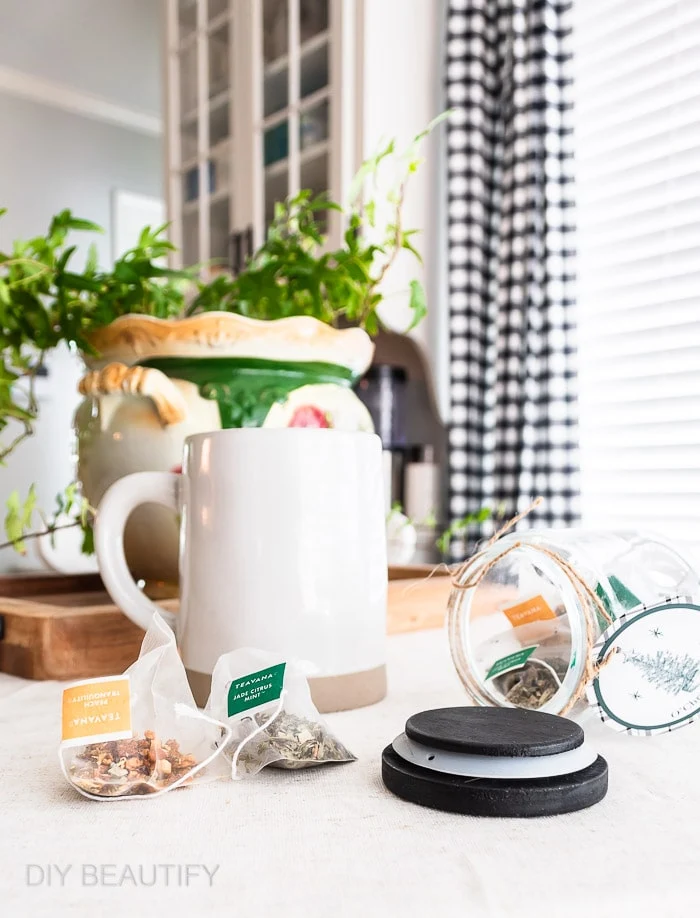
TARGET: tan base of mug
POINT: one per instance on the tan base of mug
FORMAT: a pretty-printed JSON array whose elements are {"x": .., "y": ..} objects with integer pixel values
[{"x": 329, "y": 693}]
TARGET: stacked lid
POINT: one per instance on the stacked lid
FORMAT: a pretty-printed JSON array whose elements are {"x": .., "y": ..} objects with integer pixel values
[{"x": 494, "y": 762}]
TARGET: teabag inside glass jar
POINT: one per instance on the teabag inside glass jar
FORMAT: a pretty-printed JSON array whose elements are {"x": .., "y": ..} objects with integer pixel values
[
  {"x": 520, "y": 636},
  {"x": 140, "y": 733}
]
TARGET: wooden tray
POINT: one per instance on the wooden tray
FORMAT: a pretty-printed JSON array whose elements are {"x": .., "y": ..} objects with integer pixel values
[{"x": 69, "y": 628}]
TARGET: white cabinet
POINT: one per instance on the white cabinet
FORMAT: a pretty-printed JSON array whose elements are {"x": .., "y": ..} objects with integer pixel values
[
  {"x": 257, "y": 108},
  {"x": 265, "y": 97},
  {"x": 199, "y": 122}
]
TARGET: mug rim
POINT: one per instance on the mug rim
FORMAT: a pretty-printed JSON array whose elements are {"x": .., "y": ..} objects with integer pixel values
[{"x": 250, "y": 432}]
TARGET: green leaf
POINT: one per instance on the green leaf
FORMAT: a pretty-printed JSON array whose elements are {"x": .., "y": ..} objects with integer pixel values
[
  {"x": 18, "y": 518},
  {"x": 63, "y": 260},
  {"x": 417, "y": 304},
  {"x": 145, "y": 237},
  {"x": 92, "y": 259},
  {"x": 13, "y": 530},
  {"x": 371, "y": 324},
  {"x": 443, "y": 542},
  {"x": 407, "y": 244},
  {"x": 159, "y": 230},
  {"x": 88, "y": 544},
  {"x": 69, "y": 497},
  {"x": 76, "y": 223},
  {"x": 29, "y": 506},
  {"x": 438, "y": 119},
  {"x": 84, "y": 512},
  {"x": 78, "y": 282},
  {"x": 459, "y": 528}
]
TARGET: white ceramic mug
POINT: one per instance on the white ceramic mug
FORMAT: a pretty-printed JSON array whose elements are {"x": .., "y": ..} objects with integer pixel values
[{"x": 282, "y": 547}]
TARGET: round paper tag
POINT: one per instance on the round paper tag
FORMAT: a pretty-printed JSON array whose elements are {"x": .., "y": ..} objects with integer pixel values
[{"x": 651, "y": 683}]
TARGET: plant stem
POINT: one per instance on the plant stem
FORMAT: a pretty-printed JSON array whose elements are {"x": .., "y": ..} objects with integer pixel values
[
  {"x": 396, "y": 248},
  {"x": 33, "y": 408},
  {"x": 25, "y": 261},
  {"x": 38, "y": 535},
  {"x": 25, "y": 434}
]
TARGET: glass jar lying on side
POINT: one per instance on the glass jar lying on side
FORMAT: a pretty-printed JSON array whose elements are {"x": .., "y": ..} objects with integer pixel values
[{"x": 526, "y": 610}]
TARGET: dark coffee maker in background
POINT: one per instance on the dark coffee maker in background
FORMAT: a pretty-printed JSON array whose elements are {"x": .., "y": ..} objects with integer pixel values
[
  {"x": 383, "y": 391},
  {"x": 413, "y": 439}
]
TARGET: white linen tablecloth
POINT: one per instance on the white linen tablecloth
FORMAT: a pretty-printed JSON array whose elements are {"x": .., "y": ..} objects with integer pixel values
[{"x": 333, "y": 841}]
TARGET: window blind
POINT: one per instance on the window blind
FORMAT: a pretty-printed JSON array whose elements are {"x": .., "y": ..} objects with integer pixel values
[{"x": 637, "y": 98}]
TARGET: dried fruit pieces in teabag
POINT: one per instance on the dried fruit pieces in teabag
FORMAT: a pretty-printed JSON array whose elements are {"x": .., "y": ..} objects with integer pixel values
[
  {"x": 132, "y": 766},
  {"x": 140, "y": 733}
]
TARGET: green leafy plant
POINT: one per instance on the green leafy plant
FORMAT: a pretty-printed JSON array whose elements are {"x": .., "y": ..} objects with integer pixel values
[
  {"x": 459, "y": 529},
  {"x": 291, "y": 274},
  {"x": 44, "y": 302},
  {"x": 72, "y": 510}
]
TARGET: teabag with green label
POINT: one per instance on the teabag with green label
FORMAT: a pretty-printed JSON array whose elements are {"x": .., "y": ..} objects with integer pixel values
[{"x": 267, "y": 704}]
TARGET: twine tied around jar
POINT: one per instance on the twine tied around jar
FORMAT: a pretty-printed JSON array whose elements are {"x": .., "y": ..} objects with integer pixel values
[{"x": 588, "y": 598}]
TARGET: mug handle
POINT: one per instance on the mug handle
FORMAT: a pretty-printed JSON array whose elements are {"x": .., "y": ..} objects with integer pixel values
[{"x": 115, "y": 508}]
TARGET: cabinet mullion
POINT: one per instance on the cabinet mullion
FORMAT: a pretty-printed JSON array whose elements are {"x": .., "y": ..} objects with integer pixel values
[
  {"x": 345, "y": 107},
  {"x": 203, "y": 127},
  {"x": 173, "y": 147},
  {"x": 254, "y": 151},
  {"x": 294, "y": 174}
]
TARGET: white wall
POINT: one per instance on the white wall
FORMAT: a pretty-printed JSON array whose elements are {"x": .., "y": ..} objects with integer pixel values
[
  {"x": 51, "y": 159},
  {"x": 403, "y": 78},
  {"x": 109, "y": 48}
]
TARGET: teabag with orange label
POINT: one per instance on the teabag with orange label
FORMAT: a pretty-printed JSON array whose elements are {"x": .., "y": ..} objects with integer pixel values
[
  {"x": 140, "y": 733},
  {"x": 534, "y": 671},
  {"x": 267, "y": 704}
]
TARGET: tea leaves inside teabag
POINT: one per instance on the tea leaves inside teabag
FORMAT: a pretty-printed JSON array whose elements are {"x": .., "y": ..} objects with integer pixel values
[
  {"x": 530, "y": 686},
  {"x": 291, "y": 742},
  {"x": 538, "y": 680}
]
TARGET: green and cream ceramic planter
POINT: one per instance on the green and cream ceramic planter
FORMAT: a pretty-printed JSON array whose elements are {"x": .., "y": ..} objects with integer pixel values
[{"x": 157, "y": 381}]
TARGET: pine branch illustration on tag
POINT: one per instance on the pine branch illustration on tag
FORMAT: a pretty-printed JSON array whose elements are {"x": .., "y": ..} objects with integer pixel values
[{"x": 667, "y": 671}]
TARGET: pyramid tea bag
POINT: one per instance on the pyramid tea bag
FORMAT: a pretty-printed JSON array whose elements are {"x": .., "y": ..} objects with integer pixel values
[
  {"x": 267, "y": 705},
  {"x": 139, "y": 733}
]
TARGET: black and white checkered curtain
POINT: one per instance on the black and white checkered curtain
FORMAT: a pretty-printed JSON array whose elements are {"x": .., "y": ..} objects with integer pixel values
[{"x": 513, "y": 385}]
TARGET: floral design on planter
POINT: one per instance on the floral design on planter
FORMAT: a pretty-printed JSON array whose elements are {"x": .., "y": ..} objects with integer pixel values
[
  {"x": 245, "y": 389},
  {"x": 309, "y": 416},
  {"x": 320, "y": 405}
]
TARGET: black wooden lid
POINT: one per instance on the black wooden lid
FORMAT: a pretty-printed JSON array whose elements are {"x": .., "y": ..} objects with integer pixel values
[
  {"x": 494, "y": 731},
  {"x": 492, "y": 796}
]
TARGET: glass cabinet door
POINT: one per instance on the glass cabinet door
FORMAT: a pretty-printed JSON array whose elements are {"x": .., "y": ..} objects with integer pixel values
[
  {"x": 295, "y": 99},
  {"x": 200, "y": 181},
  {"x": 186, "y": 63},
  {"x": 220, "y": 101},
  {"x": 253, "y": 116}
]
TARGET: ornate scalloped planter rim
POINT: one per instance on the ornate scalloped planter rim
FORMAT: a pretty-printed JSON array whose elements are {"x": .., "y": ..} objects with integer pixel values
[{"x": 133, "y": 338}]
